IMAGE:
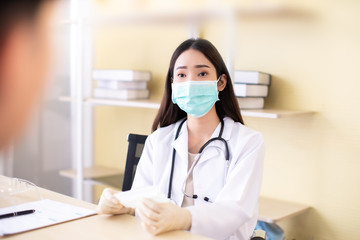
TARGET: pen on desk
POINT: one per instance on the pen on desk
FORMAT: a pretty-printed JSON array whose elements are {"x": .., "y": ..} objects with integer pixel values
[{"x": 20, "y": 213}]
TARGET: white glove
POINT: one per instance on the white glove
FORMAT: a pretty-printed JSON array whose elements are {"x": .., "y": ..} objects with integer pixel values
[
  {"x": 163, "y": 217},
  {"x": 108, "y": 203}
]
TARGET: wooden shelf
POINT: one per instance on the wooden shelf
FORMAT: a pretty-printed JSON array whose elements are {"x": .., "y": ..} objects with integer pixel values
[
  {"x": 274, "y": 113},
  {"x": 273, "y": 210},
  {"x": 98, "y": 175},
  {"x": 92, "y": 172},
  {"x": 149, "y": 103},
  {"x": 155, "y": 104}
]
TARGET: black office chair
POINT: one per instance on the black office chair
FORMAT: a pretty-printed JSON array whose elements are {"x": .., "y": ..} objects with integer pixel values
[{"x": 136, "y": 146}]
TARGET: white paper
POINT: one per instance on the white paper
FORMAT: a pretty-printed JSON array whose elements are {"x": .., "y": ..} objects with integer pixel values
[
  {"x": 47, "y": 212},
  {"x": 130, "y": 199}
]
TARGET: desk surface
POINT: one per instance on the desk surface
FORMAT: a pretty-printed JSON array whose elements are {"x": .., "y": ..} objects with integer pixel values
[
  {"x": 94, "y": 227},
  {"x": 274, "y": 210},
  {"x": 128, "y": 227},
  {"x": 270, "y": 210}
]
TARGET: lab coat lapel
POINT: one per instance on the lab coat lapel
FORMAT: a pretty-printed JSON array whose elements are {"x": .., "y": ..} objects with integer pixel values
[
  {"x": 228, "y": 127},
  {"x": 181, "y": 164},
  {"x": 181, "y": 143}
]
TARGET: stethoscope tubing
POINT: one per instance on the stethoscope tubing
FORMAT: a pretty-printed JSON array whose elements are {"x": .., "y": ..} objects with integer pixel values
[
  {"x": 173, "y": 160},
  {"x": 219, "y": 138}
]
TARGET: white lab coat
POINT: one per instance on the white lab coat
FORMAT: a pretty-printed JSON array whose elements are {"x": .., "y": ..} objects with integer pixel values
[{"x": 233, "y": 192}]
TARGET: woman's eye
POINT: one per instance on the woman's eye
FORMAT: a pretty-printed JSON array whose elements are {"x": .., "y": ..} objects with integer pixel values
[
  {"x": 181, "y": 75},
  {"x": 203, "y": 74}
]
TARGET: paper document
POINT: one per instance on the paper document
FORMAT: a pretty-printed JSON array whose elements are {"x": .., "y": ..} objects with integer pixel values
[
  {"x": 47, "y": 212},
  {"x": 131, "y": 198}
]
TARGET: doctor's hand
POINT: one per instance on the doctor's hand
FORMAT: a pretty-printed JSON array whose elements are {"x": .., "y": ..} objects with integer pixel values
[
  {"x": 163, "y": 217},
  {"x": 109, "y": 204}
]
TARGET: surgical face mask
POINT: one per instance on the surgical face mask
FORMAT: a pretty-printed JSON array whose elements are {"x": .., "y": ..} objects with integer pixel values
[{"x": 195, "y": 97}]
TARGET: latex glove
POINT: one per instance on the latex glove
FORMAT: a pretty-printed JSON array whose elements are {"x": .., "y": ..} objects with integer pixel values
[
  {"x": 109, "y": 204},
  {"x": 163, "y": 217}
]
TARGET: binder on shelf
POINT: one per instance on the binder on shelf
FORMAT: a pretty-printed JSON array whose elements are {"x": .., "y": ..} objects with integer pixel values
[
  {"x": 252, "y": 77},
  {"x": 247, "y": 103},
  {"x": 121, "y": 75},
  {"x": 123, "y": 94},
  {"x": 247, "y": 90},
  {"x": 118, "y": 85}
]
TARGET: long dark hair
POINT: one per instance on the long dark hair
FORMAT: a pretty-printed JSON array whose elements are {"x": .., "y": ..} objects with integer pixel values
[{"x": 228, "y": 105}]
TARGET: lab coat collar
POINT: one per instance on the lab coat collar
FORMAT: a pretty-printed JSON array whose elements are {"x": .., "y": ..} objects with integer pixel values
[
  {"x": 228, "y": 126},
  {"x": 181, "y": 143},
  {"x": 211, "y": 151}
]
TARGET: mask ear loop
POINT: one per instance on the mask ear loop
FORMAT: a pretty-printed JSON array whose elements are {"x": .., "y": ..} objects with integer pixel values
[{"x": 217, "y": 81}]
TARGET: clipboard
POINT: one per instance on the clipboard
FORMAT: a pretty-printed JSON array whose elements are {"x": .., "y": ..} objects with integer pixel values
[{"x": 47, "y": 213}]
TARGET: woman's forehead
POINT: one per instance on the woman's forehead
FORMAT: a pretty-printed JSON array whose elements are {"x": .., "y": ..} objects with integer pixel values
[{"x": 192, "y": 59}]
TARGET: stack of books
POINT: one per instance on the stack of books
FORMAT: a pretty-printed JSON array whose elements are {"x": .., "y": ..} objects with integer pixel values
[
  {"x": 251, "y": 87},
  {"x": 121, "y": 84}
]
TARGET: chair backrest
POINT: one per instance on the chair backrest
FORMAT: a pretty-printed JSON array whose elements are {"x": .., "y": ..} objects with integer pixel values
[{"x": 135, "y": 148}]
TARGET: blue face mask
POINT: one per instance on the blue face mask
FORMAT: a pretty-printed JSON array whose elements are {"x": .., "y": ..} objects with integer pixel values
[{"x": 195, "y": 97}]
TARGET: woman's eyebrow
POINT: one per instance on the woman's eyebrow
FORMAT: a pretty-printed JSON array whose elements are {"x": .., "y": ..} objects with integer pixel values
[
  {"x": 196, "y": 66},
  {"x": 202, "y": 66},
  {"x": 181, "y": 67}
]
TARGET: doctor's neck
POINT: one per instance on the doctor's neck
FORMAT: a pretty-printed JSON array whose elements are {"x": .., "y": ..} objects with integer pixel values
[{"x": 205, "y": 125}]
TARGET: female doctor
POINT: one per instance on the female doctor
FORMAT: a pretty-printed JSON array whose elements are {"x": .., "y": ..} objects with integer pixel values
[{"x": 202, "y": 157}]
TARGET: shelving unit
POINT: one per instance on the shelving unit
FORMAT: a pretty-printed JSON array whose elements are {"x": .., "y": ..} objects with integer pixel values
[
  {"x": 92, "y": 172},
  {"x": 81, "y": 48},
  {"x": 155, "y": 104},
  {"x": 97, "y": 175}
]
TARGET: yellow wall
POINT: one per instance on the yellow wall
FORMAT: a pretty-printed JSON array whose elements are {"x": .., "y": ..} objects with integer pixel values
[{"x": 315, "y": 65}]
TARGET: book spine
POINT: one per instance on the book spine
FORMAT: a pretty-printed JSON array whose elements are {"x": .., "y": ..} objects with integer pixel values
[
  {"x": 249, "y": 77},
  {"x": 250, "y": 90}
]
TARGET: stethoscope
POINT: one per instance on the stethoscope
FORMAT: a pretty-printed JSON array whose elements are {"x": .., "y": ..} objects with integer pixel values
[{"x": 219, "y": 138}]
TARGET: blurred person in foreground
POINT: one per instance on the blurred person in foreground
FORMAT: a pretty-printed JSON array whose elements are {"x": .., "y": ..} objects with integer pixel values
[{"x": 24, "y": 61}]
